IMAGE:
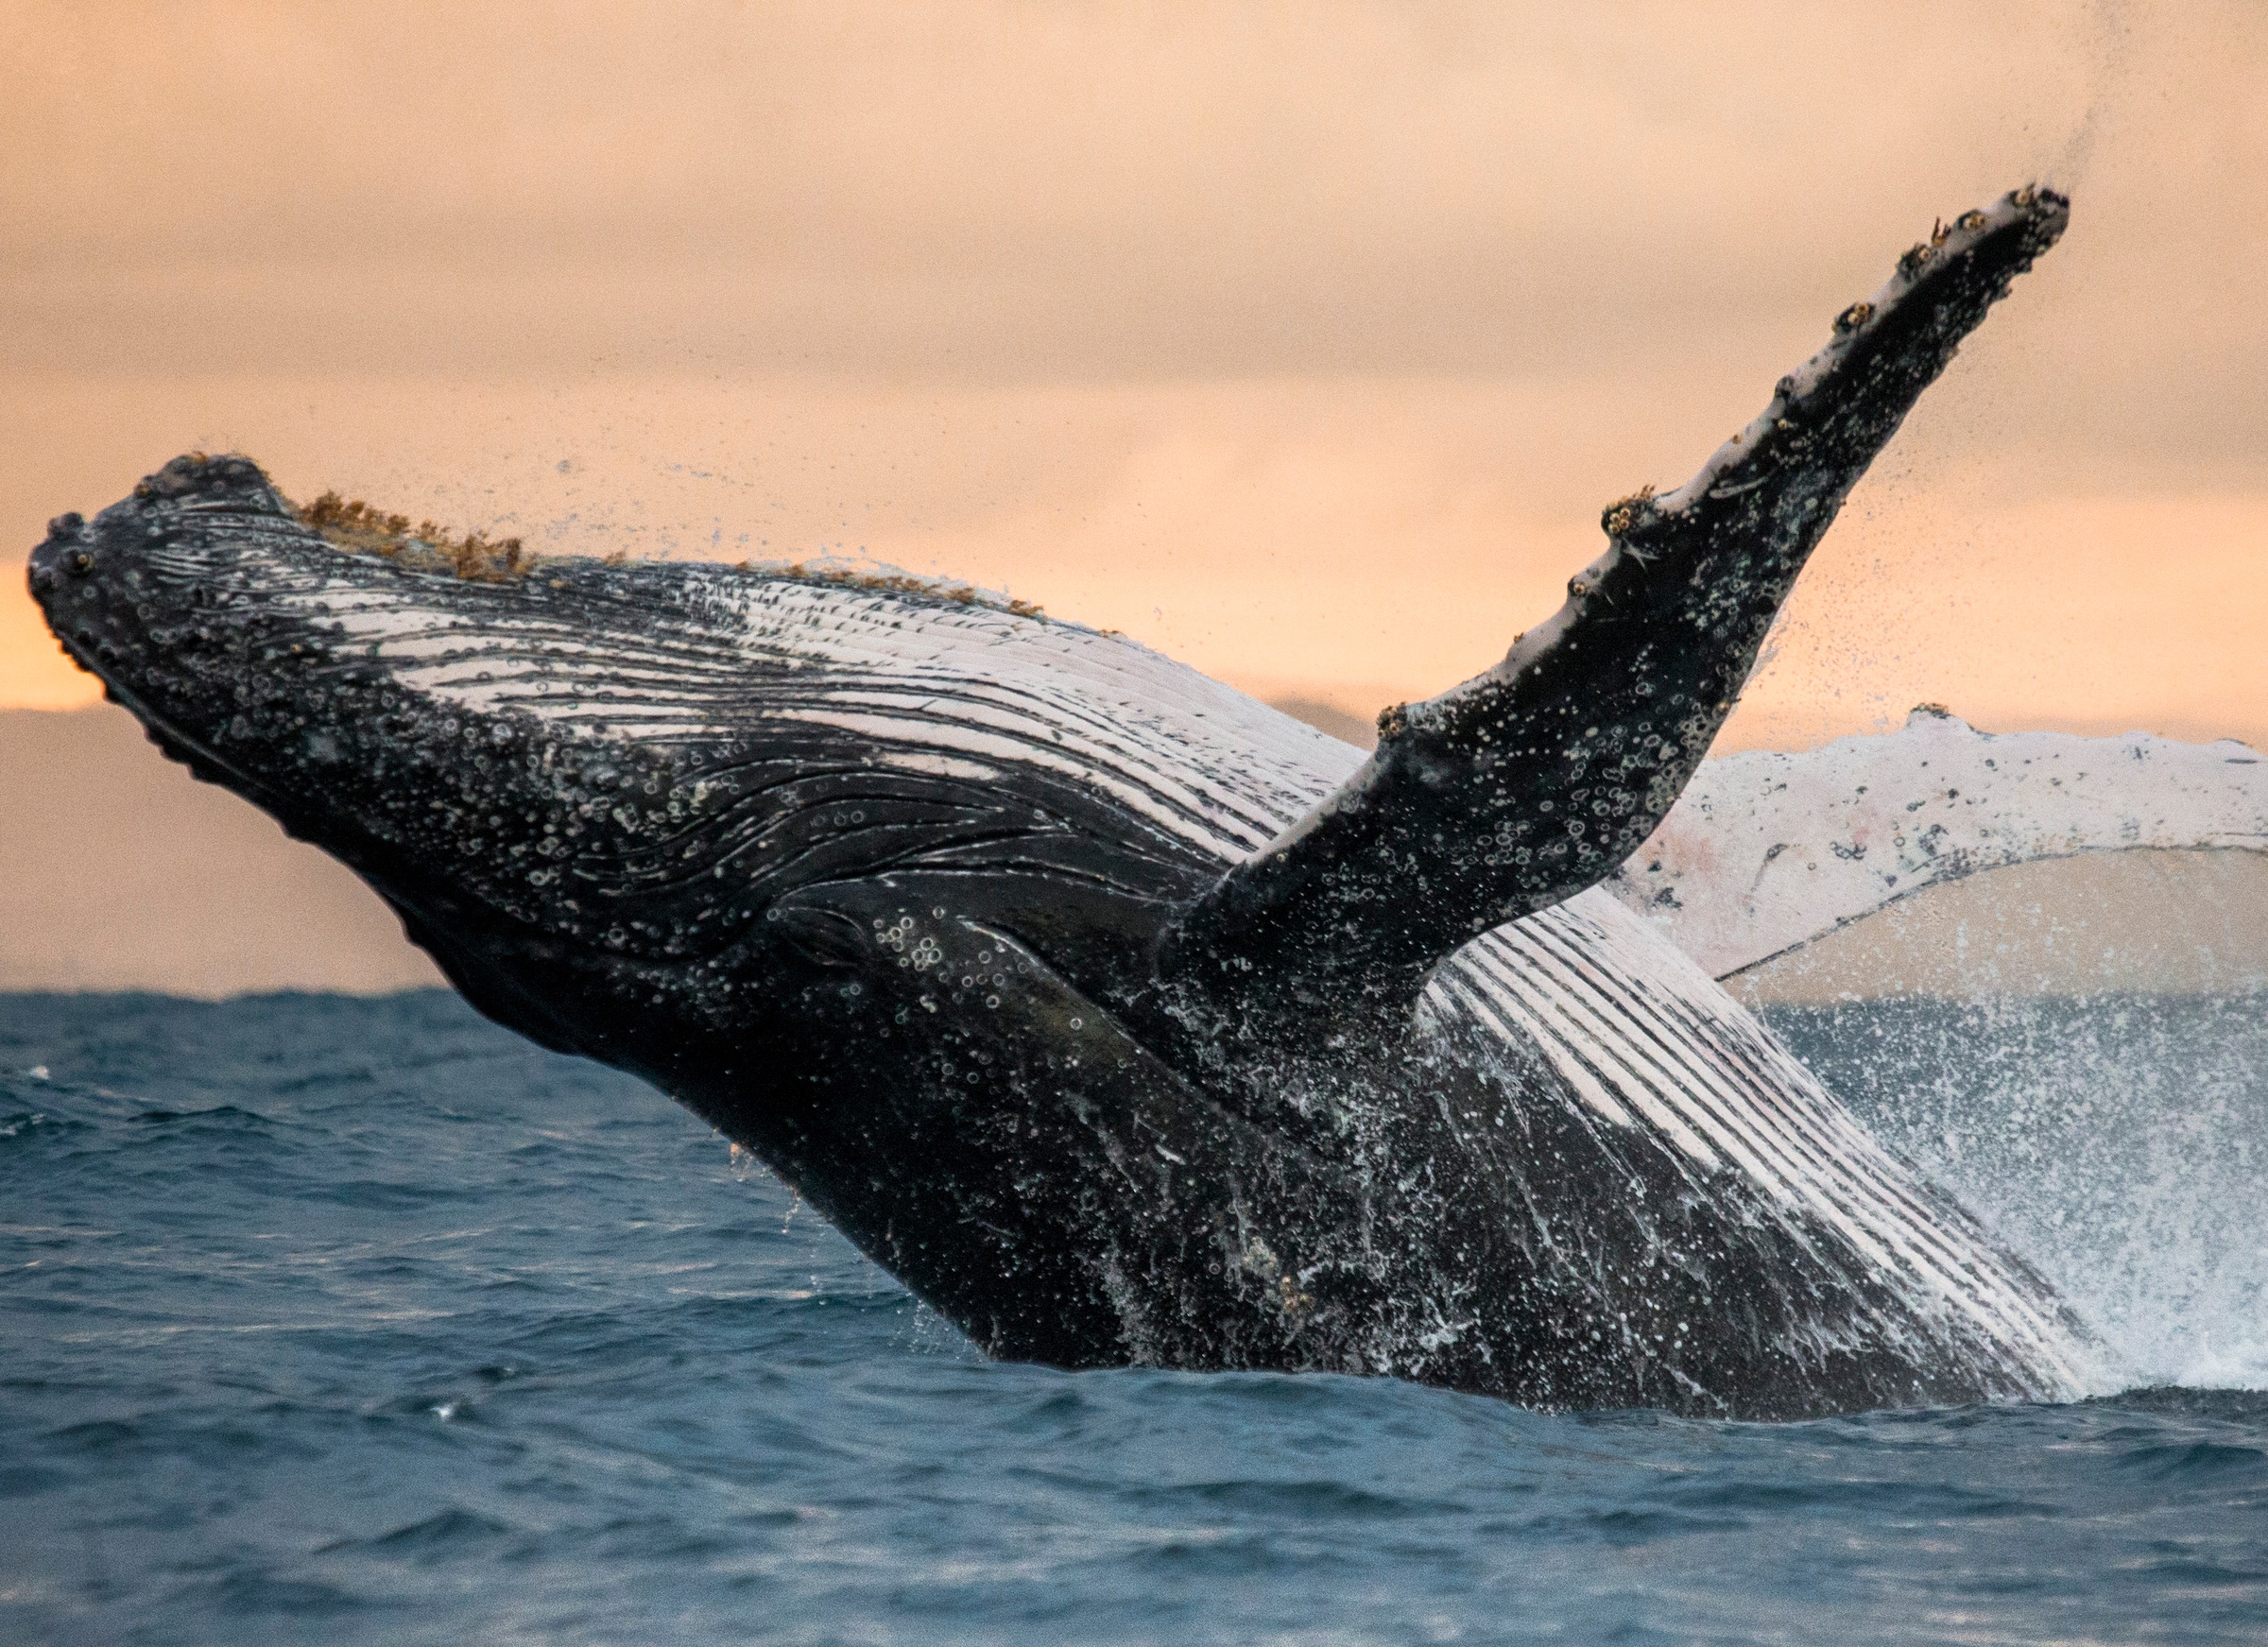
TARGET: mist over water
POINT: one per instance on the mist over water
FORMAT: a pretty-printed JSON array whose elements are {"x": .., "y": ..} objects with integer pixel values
[{"x": 362, "y": 1318}]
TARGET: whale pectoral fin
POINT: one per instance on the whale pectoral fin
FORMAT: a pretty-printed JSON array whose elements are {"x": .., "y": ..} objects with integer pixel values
[{"x": 1535, "y": 780}]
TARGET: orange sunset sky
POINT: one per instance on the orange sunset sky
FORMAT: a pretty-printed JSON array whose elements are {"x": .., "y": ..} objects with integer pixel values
[{"x": 1304, "y": 342}]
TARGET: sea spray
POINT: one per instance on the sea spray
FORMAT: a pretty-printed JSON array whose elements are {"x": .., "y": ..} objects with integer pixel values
[{"x": 2116, "y": 1141}]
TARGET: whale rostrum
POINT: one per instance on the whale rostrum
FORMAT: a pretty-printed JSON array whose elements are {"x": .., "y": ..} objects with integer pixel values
[{"x": 1122, "y": 1019}]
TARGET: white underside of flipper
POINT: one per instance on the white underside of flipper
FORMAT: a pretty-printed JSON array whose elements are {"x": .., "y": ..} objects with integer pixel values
[{"x": 1768, "y": 851}]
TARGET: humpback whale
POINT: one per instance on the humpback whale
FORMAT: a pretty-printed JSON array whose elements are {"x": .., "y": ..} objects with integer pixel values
[{"x": 1122, "y": 1017}]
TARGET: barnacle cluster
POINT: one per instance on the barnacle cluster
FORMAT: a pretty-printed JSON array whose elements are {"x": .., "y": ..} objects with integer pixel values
[
  {"x": 1853, "y": 318},
  {"x": 1624, "y": 514},
  {"x": 359, "y": 526}
]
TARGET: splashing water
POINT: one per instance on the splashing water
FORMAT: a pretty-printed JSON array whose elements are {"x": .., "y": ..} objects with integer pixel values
[{"x": 2117, "y": 1141}]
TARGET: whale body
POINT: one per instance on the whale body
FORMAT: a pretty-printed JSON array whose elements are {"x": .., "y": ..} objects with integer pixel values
[{"x": 1122, "y": 1017}]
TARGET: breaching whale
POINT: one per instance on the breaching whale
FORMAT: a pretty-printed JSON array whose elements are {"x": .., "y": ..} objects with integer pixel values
[{"x": 1122, "y": 1019}]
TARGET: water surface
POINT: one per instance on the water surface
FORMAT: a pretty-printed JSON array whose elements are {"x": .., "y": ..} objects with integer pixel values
[{"x": 363, "y": 1320}]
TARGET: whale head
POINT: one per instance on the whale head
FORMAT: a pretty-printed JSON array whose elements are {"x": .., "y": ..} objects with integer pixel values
[{"x": 540, "y": 767}]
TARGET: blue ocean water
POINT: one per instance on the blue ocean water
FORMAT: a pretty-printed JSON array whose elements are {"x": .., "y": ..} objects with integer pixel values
[{"x": 362, "y": 1320}]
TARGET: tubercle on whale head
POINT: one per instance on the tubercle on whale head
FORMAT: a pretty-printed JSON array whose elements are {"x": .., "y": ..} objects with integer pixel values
[{"x": 123, "y": 590}]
